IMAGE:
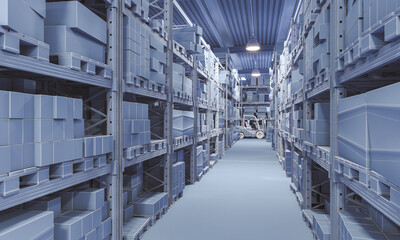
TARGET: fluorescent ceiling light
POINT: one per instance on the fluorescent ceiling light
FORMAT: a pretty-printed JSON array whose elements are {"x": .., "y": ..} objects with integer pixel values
[{"x": 243, "y": 78}]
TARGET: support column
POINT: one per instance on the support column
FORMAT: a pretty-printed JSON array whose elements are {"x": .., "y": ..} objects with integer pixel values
[
  {"x": 337, "y": 43},
  {"x": 114, "y": 116},
  {"x": 168, "y": 115},
  {"x": 193, "y": 160}
]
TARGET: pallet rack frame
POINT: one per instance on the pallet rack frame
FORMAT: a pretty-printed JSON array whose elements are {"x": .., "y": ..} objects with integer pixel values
[
  {"x": 114, "y": 90},
  {"x": 327, "y": 157}
]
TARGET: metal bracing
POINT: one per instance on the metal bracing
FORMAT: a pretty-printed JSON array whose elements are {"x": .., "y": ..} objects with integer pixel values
[{"x": 114, "y": 116}]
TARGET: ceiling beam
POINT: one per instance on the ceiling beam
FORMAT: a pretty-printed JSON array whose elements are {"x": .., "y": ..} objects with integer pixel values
[
  {"x": 248, "y": 71},
  {"x": 236, "y": 50}
]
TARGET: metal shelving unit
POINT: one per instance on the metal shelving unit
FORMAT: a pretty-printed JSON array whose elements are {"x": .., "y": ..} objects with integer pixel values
[
  {"x": 112, "y": 90},
  {"x": 351, "y": 69}
]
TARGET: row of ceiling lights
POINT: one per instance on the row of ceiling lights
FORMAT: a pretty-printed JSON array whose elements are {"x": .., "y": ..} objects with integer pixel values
[{"x": 253, "y": 45}]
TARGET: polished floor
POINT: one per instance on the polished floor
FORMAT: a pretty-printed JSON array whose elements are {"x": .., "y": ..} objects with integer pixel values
[{"x": 245, "y": 196}]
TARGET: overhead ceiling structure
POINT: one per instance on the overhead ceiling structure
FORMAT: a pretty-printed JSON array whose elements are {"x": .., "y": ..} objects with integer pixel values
[{"x": 228, "y": 24}]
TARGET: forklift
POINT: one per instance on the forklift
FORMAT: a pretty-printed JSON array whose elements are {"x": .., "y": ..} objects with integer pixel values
[{"x": 252, "y": 127}]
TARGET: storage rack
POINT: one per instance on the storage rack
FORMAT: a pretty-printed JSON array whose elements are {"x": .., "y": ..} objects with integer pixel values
[
  {"x": 103, "y": 98},
  {"x": 354, "y": 46}
]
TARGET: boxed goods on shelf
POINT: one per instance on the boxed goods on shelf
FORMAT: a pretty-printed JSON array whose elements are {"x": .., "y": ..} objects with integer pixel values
[
  {"x": 136, "y": 124},
  {"x": 178, "y": 178},
  {"x": 287, "y": 164},
  {"x": 372, "y": 116},
  {"x": 42, "y": 130},
  {"x": 84, "y": 214},
  {"x": 72, "y": 29},
  {"x": 356, "y": 225},
  {"x": 133, "y": 182},
  {"x": 317, "y": 129},
  {"x": 139, "y": 7},
  {"x": 137, "y": 52},
  {"x": 200, "y": 159},
  {"x": 26, "y": 224},
  {"x": 178, "y": 77},
  {"x": 150, "y": 204},
  {"x": 209, "y": 61},
  {"x": 189, "y": 38},
  {"x": 321, "y": 226},
  {"x": 183, "y": 123},
  {"x": 24, "y": 17}
]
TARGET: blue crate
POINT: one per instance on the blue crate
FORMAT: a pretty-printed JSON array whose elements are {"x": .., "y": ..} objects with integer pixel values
[
  {"x": 23, "y": 224},
  {"x": 25, "y": 17},
  {"x": 75, "y": 15}
]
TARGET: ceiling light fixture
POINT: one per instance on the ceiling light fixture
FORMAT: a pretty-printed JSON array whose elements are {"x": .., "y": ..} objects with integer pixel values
[
  {"x": 252, "y": 44},
  {"x": 256, "y": 73},
  {"x": 243, "y": 78}
]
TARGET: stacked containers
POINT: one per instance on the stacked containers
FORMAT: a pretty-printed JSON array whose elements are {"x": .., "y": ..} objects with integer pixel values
[
  {"x": 298, "y": 130},
  {"x": 136, "y": 50},
  {"x": 26, "y": 18},
  {"x": 49, "y": 128},
  {"x": 356, "y": 225},
  {"x": 371, "y": 116},
  {"x": 319, "y": 126},
  {"x": 183, "y": 123},
  {"x": 71, "y": 28},
  {"x": 133, "y": 182},
  {"x": 178, "y": 178},
  {"x": 321, "y": 226},
  {"x": 178, "y": 77},
  {"x": 26, "y": 224},
  {"x": 158, "y": 60},
  {"x": 136, "y": 124},
  {"x": 200, "y": 159},
  {"x": 297, "y": 171},
  {"x": 287, "y": 165},
  {"x": 150, "y": 203},
  {"x": 189, "y": 38},
  {"x": 84, "y": 214}
]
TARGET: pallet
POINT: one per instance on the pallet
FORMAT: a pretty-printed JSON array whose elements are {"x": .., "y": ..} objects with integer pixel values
[
  {"x": 80, "y": 63},
  {"x": 181, "y": 49},
  {"x": 136, "y": 151},
  {"x": 158, "y": 145},
  {"x": 11, "y": 183},
  {"x": 158, "y": 28},
  {"x": 19, "y": 44},
  {"x": 369, "y": 42},
  {"x": 156, "y": 87},
  {"x": 177, "y": 197},
  {"x": 378, "y": 184},
  {"x": 182, "y": 95}
]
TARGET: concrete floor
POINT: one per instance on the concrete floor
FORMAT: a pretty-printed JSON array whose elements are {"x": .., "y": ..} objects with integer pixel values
[{"x": 245, "y": 196}]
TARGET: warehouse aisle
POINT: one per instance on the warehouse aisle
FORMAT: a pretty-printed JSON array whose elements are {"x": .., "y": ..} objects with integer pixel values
[{"x": 245, "y": 196}]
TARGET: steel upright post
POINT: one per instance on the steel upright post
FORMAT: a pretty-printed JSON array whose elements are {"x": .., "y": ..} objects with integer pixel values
[
  {"x": 193, "y": 160},
  {"x": 114, "y": 115},
  {"x": 337, "y": 43},
  {"x": 168, "y": 118}
]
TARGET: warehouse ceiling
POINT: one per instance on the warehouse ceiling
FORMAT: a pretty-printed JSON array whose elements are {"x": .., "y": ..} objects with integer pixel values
[{"x": 227, "y": 23}]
